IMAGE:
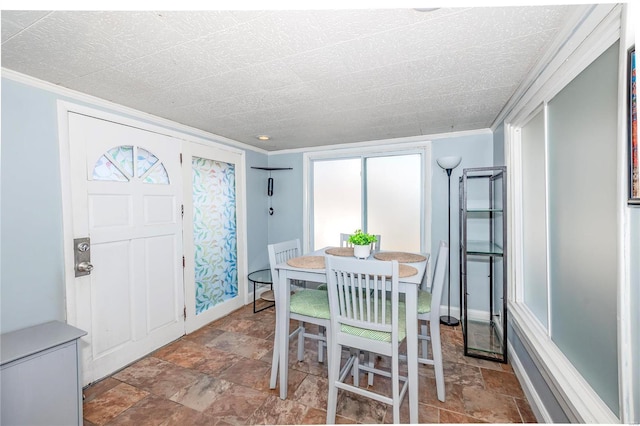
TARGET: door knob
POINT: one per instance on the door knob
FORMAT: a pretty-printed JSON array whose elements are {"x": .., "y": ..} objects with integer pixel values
[
  {"x": 84, "y": 267},
  {"x": 82, "y": 256}
]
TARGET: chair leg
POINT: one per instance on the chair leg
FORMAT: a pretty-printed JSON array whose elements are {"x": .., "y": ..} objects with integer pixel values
[
  {"x": 372, "y": 358},
  {"x": 274, "y": 362},
  {"x": 321, "y": 344},
  {"x": 436, "y": 348},
  {"x": 395, "y": 384},
  {"x": 356, "y": 368},
  {"x": 424, "y": 332},
  {"x": 301, "y": 342},
  {"x": 334, "y": 373}
]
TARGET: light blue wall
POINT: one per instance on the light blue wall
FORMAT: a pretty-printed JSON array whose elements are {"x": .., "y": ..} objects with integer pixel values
[
  {"x": 498, "y": 146},
  {"x": 287, "y": 200},
  {"x": 257, "y": 217},
  {"x": 476, "y": 151},
  {"x": 32, "y": 285}
]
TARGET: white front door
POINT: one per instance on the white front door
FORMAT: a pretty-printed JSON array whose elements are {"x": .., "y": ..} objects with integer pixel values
[
  {"x": 214, "y": 272},
  {"x": 126, "y": 194}
]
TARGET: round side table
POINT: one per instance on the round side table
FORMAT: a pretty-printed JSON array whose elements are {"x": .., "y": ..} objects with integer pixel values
[{"x": 262, "y": 277}]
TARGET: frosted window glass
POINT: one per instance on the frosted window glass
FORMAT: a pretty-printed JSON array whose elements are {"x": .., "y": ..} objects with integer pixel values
[
  {"x": 582, "y": 224},
  {"x": 117, "y": 166},
  {"x": 337, "y": 200},
  {"x": 214, "y": 233},
  {"x": 157, "y": 175},
  {"x": 394, "y": 200},
  {"x": 534, "y": 212},
  {"x": 123, "y": 157},
  {"x": 106, "y": 170},
  {"x": 144, "y": 160}
]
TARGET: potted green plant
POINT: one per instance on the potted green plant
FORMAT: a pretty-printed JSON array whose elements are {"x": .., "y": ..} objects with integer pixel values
[{"x": 362, "y": 243}]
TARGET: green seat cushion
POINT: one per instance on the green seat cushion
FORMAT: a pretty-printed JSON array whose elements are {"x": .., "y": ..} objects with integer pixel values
[
  {"x": 312, "y": 303},
  {"x": 424, "y": 302},
  {"x": 380, "y": 335}
]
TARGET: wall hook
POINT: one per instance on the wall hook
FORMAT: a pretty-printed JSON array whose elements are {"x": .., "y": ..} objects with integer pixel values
[{"x": 270, "y": 211}]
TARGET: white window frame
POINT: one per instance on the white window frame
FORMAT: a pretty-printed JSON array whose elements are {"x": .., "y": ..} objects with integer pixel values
[
  {"x": 422, "y": 148},
  {"x": 596, "y": 28}
]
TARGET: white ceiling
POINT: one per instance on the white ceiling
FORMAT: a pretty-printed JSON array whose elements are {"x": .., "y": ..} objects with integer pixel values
[{"x": 305, "y": 78}]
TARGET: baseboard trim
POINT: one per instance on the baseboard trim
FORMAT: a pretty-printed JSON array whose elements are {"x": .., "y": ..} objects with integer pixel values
[{"x": 530, "y": 392}]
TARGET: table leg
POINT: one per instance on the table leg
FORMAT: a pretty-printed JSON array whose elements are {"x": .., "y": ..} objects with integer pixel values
[
  {"x": 412, "y": 350},
  {"x": 275, "y": 360},
  {"x": 282, "y": 319},
  {"x": 254, "y": 297}
]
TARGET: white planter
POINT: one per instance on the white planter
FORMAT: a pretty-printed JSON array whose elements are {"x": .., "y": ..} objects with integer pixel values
[{"x": 362, "y": 252}]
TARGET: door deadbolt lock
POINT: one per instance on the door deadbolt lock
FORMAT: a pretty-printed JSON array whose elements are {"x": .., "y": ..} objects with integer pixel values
[{"x": 82, "y": 256}]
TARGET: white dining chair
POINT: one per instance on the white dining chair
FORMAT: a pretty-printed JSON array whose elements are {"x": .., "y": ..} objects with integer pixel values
[
  {"x": 429, "y": 318},
  {"x": 344, "y": 242},
  {"x": 364, "y": 317},
  {"x": 305, "y": 306}
]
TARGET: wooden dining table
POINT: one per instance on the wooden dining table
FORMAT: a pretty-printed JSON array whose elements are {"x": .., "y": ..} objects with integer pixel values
[{"x": 408, "y": 285}]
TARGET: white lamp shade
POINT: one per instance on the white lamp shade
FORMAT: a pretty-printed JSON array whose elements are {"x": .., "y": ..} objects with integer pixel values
[{"x": 449, "y": 162}]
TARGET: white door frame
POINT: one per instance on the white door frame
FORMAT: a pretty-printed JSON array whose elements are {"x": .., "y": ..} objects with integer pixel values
[{"x": 193, "y": 321}]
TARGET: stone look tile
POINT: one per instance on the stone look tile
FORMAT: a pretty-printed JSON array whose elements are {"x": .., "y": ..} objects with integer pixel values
[
  {"x": 158, "y": 377},
  {"x": 449, "y": 417},
  {"x": 525, "y": 411},
  {"x": 312, "y": 392},
  {"x": 219, "y": 375},
  {"x": 360, "y": 409},
  {"x": 490, "y": 407},
  {"x": 463, "y": 374},
  {"x": 204, "y": 335},
  {"x": 99, "y": 388},
  {"x": 245, "y": 372},
  {"x": 426, "y": 413},
  {"x": 258, "y": 329},
  {"x": 202, "y": 393},
  {"x": 236, "y": 405},
  {"x": 319, "y": 417},
  {"x": 217, "y": 361},
  {"x": 184, "y": 353},
  {"x": 111, "y": 403},
  {"x": 453, "y": 400},
  {"x": 502, "y": 382},
  {"x": 155, "y": 410},
  {"x": 294, "y": 378},
  {"x": 314, "y": 417},
  {"x": 240, "y": 344},
  {"x": 275, "y": 411}
]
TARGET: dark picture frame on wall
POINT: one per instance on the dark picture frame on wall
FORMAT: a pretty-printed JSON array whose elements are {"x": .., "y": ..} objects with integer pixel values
[{"x": 632, "y": 124}]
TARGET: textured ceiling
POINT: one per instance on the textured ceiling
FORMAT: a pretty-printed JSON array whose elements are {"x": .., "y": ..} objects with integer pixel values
[{"x": 305, "y": 78}]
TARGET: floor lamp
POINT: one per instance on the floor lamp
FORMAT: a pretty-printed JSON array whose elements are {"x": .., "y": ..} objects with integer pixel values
[{"x": 449, "y": 163}]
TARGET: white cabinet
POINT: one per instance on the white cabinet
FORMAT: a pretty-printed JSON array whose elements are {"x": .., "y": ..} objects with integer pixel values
[{"x": 40, "y": 381}]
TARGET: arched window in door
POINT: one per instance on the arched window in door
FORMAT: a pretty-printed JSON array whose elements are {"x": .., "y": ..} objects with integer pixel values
[{"x": 119, "y": 163}]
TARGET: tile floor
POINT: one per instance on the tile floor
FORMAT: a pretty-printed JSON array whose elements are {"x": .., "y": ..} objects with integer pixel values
[{"x": 220, "y": 375}]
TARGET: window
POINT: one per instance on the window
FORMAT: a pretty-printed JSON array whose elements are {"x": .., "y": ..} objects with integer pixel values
[
  {"x": 118, "y": 164},
  {"x": 378, "y": 193}
]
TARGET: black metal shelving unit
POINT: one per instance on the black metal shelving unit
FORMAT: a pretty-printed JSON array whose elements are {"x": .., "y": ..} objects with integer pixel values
[{"x": 483, "y": 218}]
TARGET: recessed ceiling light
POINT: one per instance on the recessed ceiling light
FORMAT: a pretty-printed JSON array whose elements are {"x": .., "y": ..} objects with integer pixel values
[{"x": 263, "y": 137}]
